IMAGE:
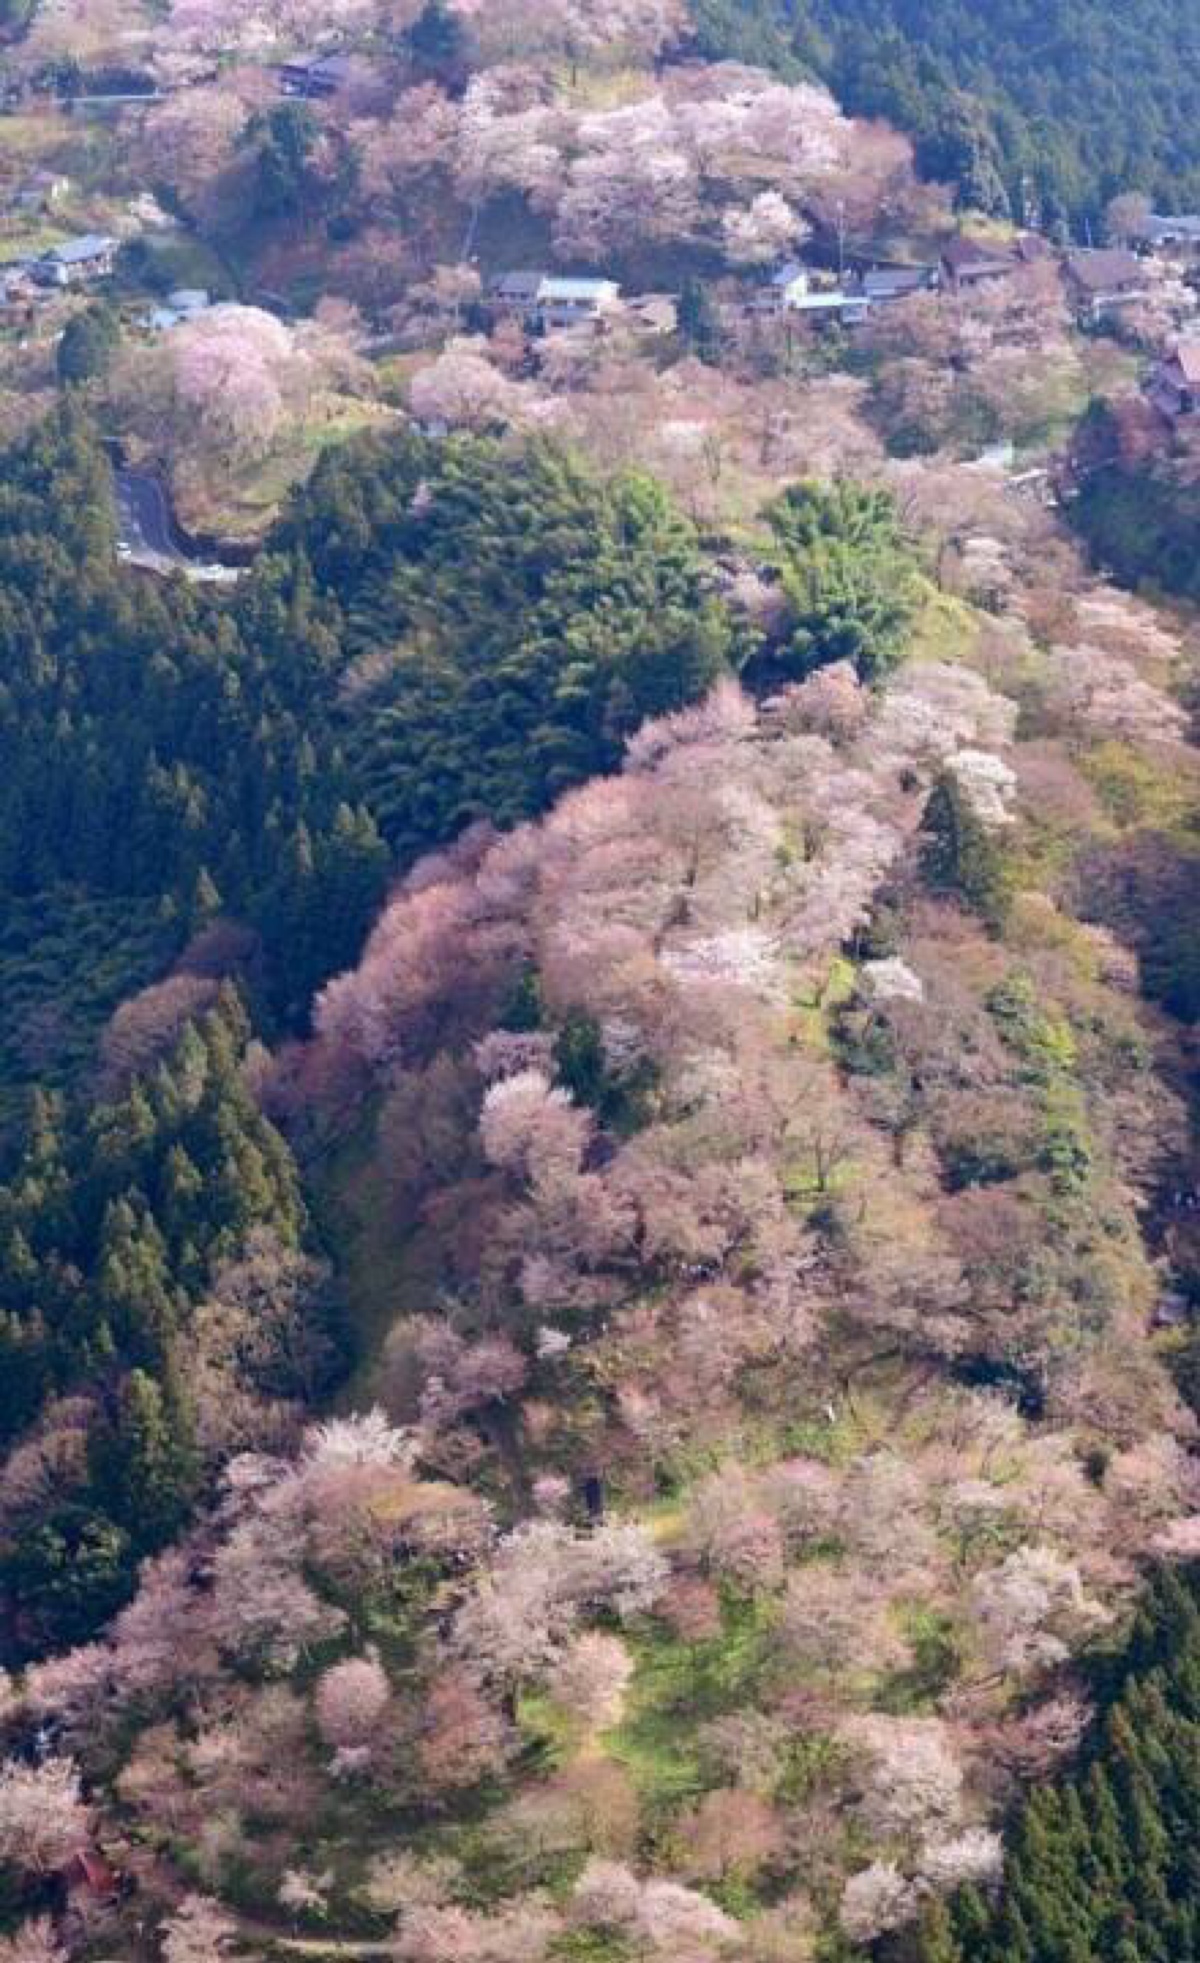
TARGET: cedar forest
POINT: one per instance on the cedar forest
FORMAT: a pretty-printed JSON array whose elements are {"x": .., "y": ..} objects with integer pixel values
[{"x": 599, "y": 974}]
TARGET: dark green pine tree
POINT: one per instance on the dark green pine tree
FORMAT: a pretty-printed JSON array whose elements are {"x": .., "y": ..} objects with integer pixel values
[
  {"x": 962, "y": 855},
  {"x": 144, "y": 1461},
  {"x": 699, "y": 320}
]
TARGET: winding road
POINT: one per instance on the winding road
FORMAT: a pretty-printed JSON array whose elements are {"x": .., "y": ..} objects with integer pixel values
[{"x": 146, "y": 534}]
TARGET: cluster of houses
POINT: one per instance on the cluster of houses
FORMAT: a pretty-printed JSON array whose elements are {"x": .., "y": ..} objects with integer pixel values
[{"x": 1099, "y": 281}]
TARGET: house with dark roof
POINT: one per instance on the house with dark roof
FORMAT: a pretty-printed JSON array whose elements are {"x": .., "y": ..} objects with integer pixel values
[
  {"x": 316, "y": 77},
  {"x": 550, "y": 301},
  {"x": 515, "y": 293},
  {"x": 91, "y": 256},
  {"x": 879, "y": 286},
  {"x": 966, "y": 263},
  {"x": 1101, "y": 280},
  {"x": 1175, "y": 384}
]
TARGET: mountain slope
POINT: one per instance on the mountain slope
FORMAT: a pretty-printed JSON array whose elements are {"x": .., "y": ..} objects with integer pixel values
[{"x": 1044, "y": 110}]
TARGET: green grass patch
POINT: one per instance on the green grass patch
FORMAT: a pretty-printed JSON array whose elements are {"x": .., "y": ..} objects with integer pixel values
[
  {"x": 946, "y": 628},
  {"x": 677, "y": 1687},
  {"x": 1137, "y": 790}
]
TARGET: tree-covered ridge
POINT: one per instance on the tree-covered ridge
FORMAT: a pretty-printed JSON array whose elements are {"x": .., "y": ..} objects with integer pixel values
[
  {"x": 1042, "y": 110},
  {"x": 766, "y": 1417},
  {"x": 440, "y": 633}
]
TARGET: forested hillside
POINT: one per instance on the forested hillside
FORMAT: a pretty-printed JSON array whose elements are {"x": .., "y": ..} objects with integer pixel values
[
  {"x": 218, "y": 790},
  {"x": 1103, "y": 1865},
  {"x": 392, "y": 671},
  {"x": 1044, "y": 112},
  {"x": 599, "y": 1185}
]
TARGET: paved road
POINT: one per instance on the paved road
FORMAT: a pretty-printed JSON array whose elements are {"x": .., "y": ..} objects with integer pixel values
[
  {"x": 146, "y": 536},
  {"x": 143, "y": 518}
]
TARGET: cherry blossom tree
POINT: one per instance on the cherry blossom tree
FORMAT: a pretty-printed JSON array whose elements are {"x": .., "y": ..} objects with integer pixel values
[
  {"x": 351, "y": 1698},
  {"x": 732, "y": 1832},
  {"x": 462, "y": 390},
  {"x": 590, "y": 1679},
  {"x": 532, "y": 30},
  {"x": 663, "y": 1914},
  {"x": 531, "y": 1127},
  {"x": 33, "y": 1942},
  {"x": 1033, "y": 1609},
  {"x": 761, "y": 232},
  {"x": 236, "y": 375},
  {"x": 876, "y": 1900},
  {"x": 43, "y": 1818},
  {"x": 148, "y": 1025},
  {"x": 914, "y": 1782},
  {"x": 191, "y": 144},
  {"x": 463, "y": 1737},
  {"x": 974, "y": 1858},
  {"x": 199, "y": 1931}
]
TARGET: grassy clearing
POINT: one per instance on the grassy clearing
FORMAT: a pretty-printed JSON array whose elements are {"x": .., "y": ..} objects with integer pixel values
[
  {"x": 242, "y": 504},
  {"x": 676, "y": 1688}
]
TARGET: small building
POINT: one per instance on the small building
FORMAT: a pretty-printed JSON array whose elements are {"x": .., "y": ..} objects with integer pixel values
[
  {"x": 317, "y": 77},
  {"x": 832, "y": 309},
  {"x": 881, "y": 286},
  {"x": 550, "y": 301},
  {"x": 652, "y": 314},
  {"x": 967, "y": 263},
  {"x": 44, "y": 190},
  {"x": 1175, "y": 384},
  {"x": 1101, "y": 280},
  {"x": 189, "y": 300},
  {"x": 785, "y": 288},
  {"x": 89, "y": 257},
  {"x": 516, "y": 294},
  {"x": 567, "y": 302},
  {"x": 1163, "y": 233},
  {"x": 185, "y": 303}
]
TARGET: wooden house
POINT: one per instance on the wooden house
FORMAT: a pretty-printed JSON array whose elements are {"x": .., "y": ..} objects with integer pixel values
[
  {"x": 89, "y": 257},
  {"x": 967, "y": 263},
  {"x": 1175, "y": 384},
  {"x": 1102, "y": 280}
]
